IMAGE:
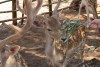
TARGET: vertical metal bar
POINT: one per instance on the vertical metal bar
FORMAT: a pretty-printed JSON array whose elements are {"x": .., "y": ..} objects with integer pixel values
[
  {"x": 22, "y": 20},
  {"x": 14, "y": 13},
  {"x": 50, "y": 7}
]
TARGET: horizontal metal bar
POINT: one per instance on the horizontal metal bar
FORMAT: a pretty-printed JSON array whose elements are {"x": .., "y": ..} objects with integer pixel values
[
  {"x": 12, "y": 19},
  {"x": 5, "y": 1}
]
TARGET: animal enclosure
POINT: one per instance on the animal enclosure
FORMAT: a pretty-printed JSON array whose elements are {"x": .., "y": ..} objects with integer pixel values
[{"x": 48, "y": 33}]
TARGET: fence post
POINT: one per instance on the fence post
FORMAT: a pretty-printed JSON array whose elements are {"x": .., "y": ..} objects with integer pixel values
[
  {"x": 50, "y": 7},
  {"x": 22, "y": 20},
  {"x": 14, "y": 13}
]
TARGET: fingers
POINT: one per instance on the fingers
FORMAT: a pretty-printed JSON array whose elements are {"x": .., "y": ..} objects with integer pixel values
[{"x": 92, "y": 24}]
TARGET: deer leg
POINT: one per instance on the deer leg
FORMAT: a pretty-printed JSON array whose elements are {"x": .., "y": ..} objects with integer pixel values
[
  {"x": 81, "y": 5},
  {"x": 87, "y": 11},
  {"x": 95, "y": 15},
  {"x": 94, "y": 11}
]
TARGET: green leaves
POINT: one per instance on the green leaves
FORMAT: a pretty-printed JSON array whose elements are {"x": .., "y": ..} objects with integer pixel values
[{"x": 70, "y": 26}]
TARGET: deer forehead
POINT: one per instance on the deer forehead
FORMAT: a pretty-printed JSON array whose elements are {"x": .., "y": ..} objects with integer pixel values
[{"x": 53, "y": 23}]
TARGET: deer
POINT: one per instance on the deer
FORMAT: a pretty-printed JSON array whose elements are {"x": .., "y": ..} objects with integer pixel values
[
  {"x": 37, "y": 25},
  {"x": 53, "y": 30},
  {"x": 53, "y": 35},
  {"x": 77, "y": 50},
  {"x": 90, "y": 6},
  {"x": 49, "y": 49},
  {"x": 9, "y": 55},
  {"x": 39, "y": 20}
]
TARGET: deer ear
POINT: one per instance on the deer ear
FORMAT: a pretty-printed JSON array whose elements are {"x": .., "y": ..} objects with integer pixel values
[{"x": 14, "y": 49}]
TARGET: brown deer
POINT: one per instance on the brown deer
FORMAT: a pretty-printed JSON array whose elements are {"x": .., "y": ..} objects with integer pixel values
[
  {"x": 74, "y": 51},
  {"x": 90, "y": 6},
  {"x": 53, "y": 31},
  {"x": 10, "y": 57},
  {"x": 54, "y": 35},
  {"x": 10, "y": 53}
]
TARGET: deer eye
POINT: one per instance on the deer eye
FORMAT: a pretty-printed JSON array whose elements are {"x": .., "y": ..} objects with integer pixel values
[{"x": 49, "y": 29}]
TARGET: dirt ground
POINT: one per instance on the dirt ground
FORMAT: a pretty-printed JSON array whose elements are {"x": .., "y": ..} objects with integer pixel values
[{"x": 33, "y": 42}]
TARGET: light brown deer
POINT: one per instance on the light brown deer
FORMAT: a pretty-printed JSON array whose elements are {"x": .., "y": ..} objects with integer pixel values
[
  {"x": 90, "y": 6},
  {"x": 10, "y": 53},
  {"x": 10, "y": 57},
  {"x": 53, "y": 34}
]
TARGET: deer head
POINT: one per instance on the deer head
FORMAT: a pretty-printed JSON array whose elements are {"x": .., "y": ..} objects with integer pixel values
[
  {"x": 19, "y": 32},
  {"x": 53, "y": 30},
  {"x": 53, "y": 24},
  {"x": 5, "y": 54}
]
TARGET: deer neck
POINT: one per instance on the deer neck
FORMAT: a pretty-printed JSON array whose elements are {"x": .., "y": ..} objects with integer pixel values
[
  {"x": 4, "y": 62},
  {"x": 15, "y": 61},
  {"x": 49, "y": 44}
]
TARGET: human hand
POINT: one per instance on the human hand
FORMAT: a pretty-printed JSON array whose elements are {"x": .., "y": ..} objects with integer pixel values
[{"x": 94, "y": 24}]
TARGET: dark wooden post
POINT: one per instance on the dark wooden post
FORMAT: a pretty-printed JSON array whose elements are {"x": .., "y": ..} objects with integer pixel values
[
  {"x": 22, "y": 20},
  {"x": 14, "y": 13},
  {"x": 50, "y": 7}
]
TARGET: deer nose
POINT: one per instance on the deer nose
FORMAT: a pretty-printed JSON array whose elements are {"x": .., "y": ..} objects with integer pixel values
[
  {"x": 0, "y": 62},
  {"x": 63, "y": 39}
]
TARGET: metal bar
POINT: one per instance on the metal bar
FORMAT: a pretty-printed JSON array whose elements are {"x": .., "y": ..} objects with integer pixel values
[
  {"x": 25, "y": 17},
  {"x": 8, "y": 11},
  {"x": 5, "y": 1},
  {"x": 12, "y": 19},
  {"x": 22, "y": 20},
  {"x": 58, "y": 10},
  {"x": 18, "y": 10},
  {"x": 14, "y": 13},
  {"x": 50, "y": 7}
]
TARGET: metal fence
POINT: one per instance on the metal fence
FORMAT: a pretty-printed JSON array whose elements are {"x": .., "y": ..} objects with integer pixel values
[{"x": 14, "y": 11}]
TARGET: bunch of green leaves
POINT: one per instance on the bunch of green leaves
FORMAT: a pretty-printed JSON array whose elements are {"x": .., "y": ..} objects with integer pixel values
[{"x": 70, "y": 26}]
